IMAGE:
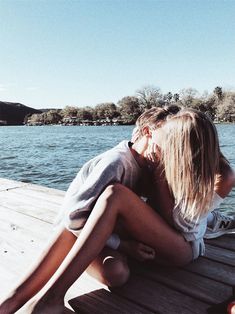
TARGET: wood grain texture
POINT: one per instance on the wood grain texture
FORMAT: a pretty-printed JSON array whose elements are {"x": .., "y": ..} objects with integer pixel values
[{"x": 226, "y": 242}]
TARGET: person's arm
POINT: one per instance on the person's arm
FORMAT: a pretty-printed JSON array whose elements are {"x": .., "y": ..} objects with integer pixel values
[
  {"x": 225, "y": 178},
  {"x": 161, "y": 197}
]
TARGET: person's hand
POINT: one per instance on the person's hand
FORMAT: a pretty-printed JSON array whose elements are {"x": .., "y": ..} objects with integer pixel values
[
  {"x": 137, "y": 250},
  {"x": 153, "y": 153}
]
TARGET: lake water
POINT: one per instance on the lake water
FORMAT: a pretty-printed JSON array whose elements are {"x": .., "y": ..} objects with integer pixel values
[{"x": 52, "y": 155}]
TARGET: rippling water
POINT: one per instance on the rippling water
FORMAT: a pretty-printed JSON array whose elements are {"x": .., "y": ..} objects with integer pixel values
[{"x": 52, "y": 155}]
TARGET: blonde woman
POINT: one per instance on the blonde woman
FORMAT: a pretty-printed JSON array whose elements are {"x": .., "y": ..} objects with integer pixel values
[
  {"x": 217, "y": 224},
  {"x": 185, "y": 156}
]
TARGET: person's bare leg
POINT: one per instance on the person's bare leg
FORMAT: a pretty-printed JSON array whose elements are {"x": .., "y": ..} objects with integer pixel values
[
  {"x": 50, "y": 260},
  {"x": 140, "y": 220},
  {"x": 110, "y": 267}
]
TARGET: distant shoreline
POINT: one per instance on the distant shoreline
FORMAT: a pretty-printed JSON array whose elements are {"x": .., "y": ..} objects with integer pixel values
[{"x": 101, "y": 125}]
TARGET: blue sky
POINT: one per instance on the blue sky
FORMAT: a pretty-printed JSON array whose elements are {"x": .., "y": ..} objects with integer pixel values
[{"x": 58, "y": 53}]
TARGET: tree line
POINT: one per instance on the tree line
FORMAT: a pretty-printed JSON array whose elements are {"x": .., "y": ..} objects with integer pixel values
[{"x": 219, "y": 105}]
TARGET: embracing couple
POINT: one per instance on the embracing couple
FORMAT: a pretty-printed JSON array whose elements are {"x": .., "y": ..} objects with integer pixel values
[{"x": 153, "y": 198}]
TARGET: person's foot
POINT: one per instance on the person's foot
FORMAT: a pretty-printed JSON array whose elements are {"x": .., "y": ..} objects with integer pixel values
[{"x": 222, "y": 224}]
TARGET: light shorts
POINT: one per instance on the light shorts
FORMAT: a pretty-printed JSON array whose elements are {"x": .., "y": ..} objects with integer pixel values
[
  {"x": 192, "y": 231},
  {"x": 198, "y": 248}
]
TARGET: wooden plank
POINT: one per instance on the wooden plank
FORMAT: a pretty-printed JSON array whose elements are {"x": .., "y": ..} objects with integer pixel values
[
  {"x": 103, "y": 301},
  {"x": 41, "y": 202},
  {"x": 220, "y": 255},
  {"x": 41, "y": 210},
  {"x": 158, "y": 298},
  {"x": 27, "y": 215},
  {"x": 194, "y": 285},
  {"x": 85, "y": 304},
  {"x": 18, "y": 227},
  {"x": 7, "y": 281},
  {"x": 214, "y": 270},
  {"x": 226, "y": 242},
  {"x": 9, "y": 184},
  {"x": 40, "y": 192},
  {"x": 21, "y": 240},
  {"x": 6, "y": 184}
]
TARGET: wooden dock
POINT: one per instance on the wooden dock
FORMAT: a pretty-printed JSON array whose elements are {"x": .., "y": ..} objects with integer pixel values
[{"x": 26, "y": 215}]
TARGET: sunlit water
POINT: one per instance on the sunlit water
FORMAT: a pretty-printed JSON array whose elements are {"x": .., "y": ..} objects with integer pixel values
[{"x": 52, "y": 155}]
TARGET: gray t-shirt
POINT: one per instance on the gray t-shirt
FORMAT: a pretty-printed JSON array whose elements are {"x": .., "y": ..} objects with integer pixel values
[{"x": 116, "y": 165}]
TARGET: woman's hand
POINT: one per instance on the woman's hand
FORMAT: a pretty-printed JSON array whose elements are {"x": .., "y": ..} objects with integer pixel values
[{"x": 137, "y": 250}]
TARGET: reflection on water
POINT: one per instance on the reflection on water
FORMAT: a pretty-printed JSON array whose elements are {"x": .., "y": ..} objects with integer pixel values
[{"x": 52, "y": 156}]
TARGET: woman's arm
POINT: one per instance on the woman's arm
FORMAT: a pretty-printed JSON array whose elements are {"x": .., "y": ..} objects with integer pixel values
[
  {"x": 160, "y": 197},
  {"x": 225, "y": 178}
]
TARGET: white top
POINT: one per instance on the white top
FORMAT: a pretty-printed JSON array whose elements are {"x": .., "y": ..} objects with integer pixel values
[{"x": 116, "y": 165}]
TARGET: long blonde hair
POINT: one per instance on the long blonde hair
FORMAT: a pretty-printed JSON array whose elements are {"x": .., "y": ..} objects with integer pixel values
[{"x": 190, "y": 155}]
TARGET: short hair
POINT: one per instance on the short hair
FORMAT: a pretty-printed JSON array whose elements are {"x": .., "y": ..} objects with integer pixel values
[{"x": 153, "y": 118}]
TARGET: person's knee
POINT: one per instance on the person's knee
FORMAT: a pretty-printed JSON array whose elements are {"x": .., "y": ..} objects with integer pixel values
[
  {"x": 114, "y": 194},
  {"x": 115, "y": 272},
  {"x": 114, "y": 189}
]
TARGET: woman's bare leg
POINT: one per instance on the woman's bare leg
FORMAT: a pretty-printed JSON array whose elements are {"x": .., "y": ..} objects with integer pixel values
[
  {"x": 51, "y": 258},
  {"x": 110, "y": 268},
  {"x": 140, "y": 220}
]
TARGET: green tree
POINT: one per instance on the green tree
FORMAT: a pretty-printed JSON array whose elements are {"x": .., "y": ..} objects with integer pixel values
[
  {"x": 85, "y": 113},
  {"x": 187, "y": 96},
  {"x": 149, "y": 96},
  {"x": 69, "y": 112},
  {"x": 37, "y": 118},
  {"x": 176, "y": 97},
  {"x": 218, "y": 92},
  {"x": 106, "y": 111},
  {"x": 129, "y": 108},
  {"x": 168, "y": 97},
  {"x": 226, "y": 108},
  {"x": 52, "y": 117}
]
